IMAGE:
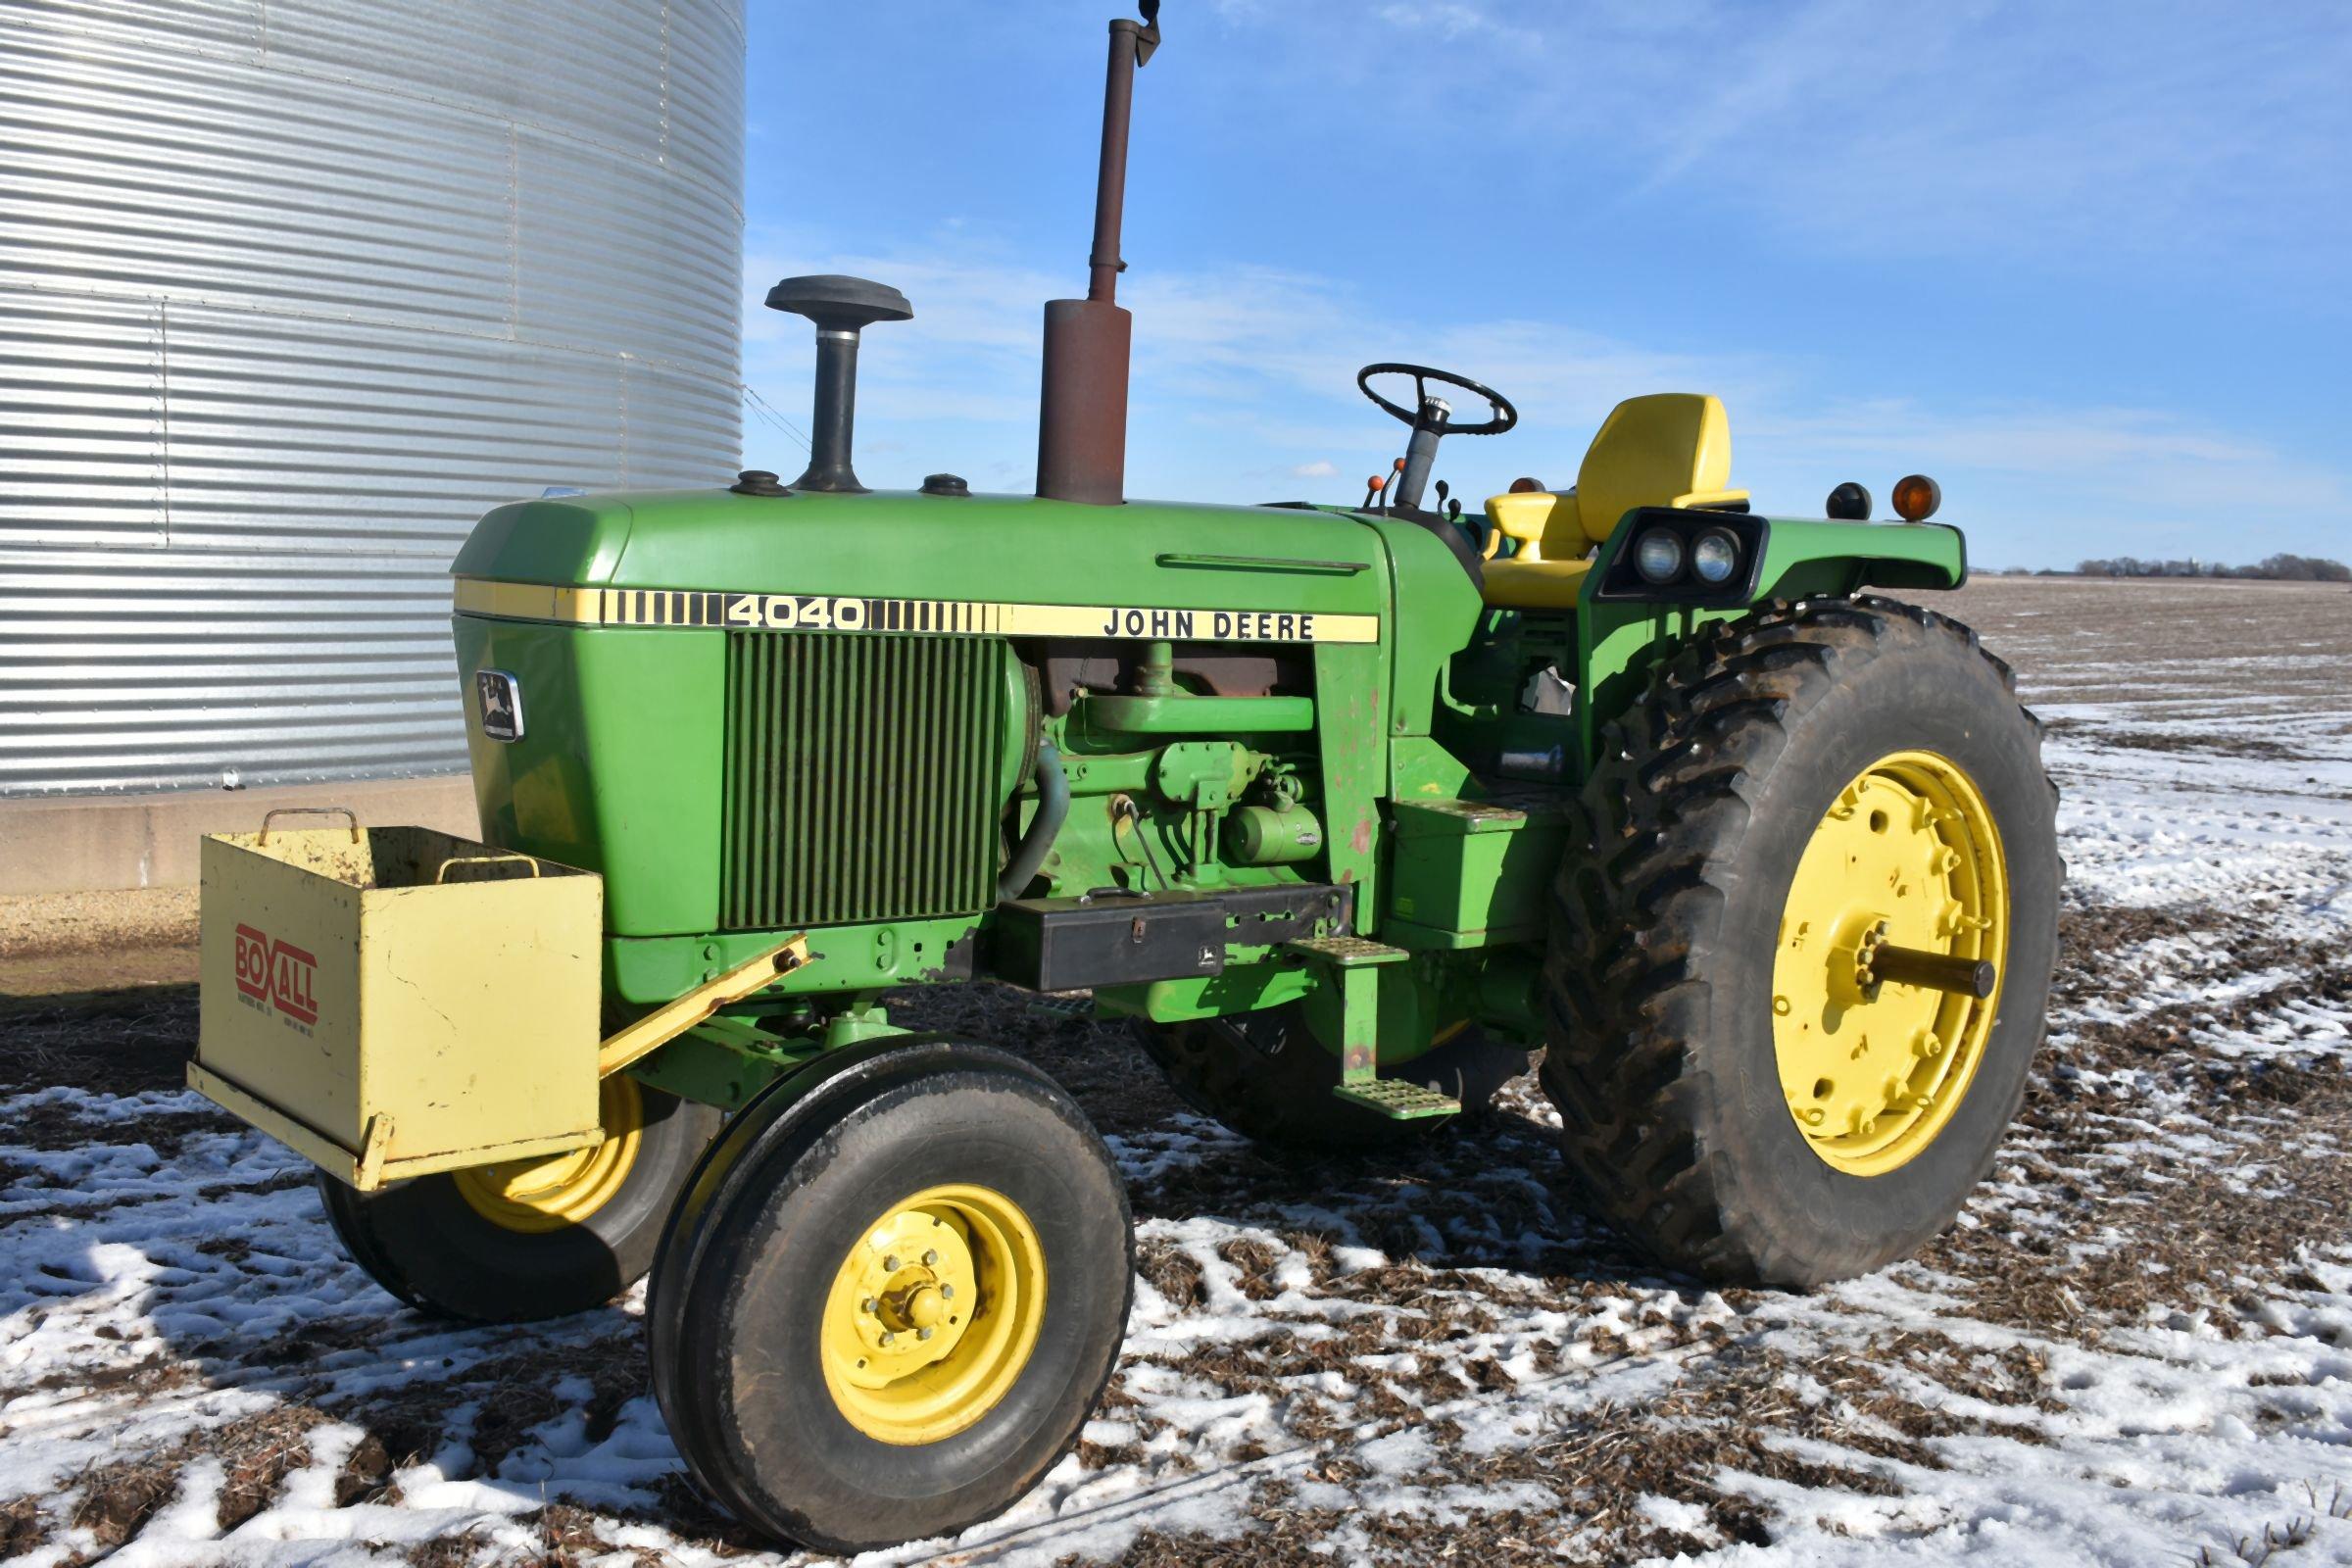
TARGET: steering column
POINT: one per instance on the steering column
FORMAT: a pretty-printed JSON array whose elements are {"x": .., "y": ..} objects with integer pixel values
[{"x": 1432, "y": 419}]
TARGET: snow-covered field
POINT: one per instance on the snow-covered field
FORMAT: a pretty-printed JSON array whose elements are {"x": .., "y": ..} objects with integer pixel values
[{"x": 2134, "y": 1350}]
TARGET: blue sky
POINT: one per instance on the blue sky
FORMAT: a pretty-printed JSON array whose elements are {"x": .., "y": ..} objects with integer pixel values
[{"x": 2084, "y": 263}]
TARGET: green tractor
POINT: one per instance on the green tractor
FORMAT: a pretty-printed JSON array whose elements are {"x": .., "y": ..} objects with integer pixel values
[{"x": 1349, "y": 809}]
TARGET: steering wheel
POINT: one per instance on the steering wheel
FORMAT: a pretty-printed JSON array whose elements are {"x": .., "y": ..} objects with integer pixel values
[{"x": 1505, "y": 415}]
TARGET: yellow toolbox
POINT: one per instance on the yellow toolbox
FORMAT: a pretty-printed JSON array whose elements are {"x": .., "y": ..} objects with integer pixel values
[{"x": 389, "y": 1002}]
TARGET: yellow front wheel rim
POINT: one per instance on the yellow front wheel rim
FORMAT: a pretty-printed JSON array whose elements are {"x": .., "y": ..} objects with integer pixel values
[
  {"x": 1909, "y": 855},
  {"x": 933, "y": 1314},
  {"x": 538, "y": 1196}
]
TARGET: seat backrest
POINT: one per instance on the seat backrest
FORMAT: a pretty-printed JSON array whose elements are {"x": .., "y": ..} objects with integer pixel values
[{"x": 1664, "y": 450}]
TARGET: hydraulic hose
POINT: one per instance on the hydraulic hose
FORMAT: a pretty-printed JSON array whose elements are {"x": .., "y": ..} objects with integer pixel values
[{"x": 1053, "y": 809}]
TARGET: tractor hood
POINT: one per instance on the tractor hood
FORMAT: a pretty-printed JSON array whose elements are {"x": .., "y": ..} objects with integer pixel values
[{"x": 991, "y": 551}]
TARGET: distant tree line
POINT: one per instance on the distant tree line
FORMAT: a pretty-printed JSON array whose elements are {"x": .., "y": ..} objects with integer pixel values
[{"x": 2272, "y": 568}]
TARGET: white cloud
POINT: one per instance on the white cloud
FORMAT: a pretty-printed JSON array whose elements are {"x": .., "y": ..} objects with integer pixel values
[
  {"x": 2171, "y": 130},
  {"x": 1320, "y": 468},
  {"x": 1451, "y": 19}
]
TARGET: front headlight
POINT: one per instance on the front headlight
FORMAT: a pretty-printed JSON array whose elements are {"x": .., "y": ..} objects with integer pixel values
[
  {"x": 1658, "y": 556},
  {"x": 1714, "y": 557}
]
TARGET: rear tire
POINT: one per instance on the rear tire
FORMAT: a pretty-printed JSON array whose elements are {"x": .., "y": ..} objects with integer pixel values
[
  {"x": 429, "y": 1244},
  {"x": 831, "y": 1215},
  {"x": 1265, "y": 1077},
  {"x": 1678, "y": 1055}
]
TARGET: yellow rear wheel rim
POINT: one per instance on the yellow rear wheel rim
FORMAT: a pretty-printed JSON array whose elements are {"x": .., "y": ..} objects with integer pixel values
[
  {"x": 933, "y": 1314},
  {"x": 538, "y": 1196},
  {"x": 1908, "y": 853}
]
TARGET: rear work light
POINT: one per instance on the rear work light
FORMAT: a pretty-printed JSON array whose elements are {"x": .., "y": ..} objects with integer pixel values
[{"x": 1684, "y": 555}]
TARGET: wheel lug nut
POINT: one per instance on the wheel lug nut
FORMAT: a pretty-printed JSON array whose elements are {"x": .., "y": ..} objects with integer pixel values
[
  {"x": 890, "y": 1264},
  {"x": 930, "y": 1258},
  {"x": 887, "y": 1336},
  {"x": 922, "y": 1334},
  {"x": 867, "y": 1306},
  {"x": 947, "y": 1293}
]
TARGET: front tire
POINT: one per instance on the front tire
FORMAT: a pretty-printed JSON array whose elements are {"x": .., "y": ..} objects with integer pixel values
[
  {"x": 1739, "y": 1091},
  {"x": 534, "y": 1239},
  {"x": 888, "y": 1304}
]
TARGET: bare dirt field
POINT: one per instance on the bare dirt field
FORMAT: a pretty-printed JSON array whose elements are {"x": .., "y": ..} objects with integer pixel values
[
  {"x": 52, "y": 944},
  {"x": 2135, "y": 1349}
]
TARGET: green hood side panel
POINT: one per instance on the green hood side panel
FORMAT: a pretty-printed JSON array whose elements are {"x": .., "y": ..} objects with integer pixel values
[
  {"x": 617, "y": 771},
  {"x": 1438, "y": 612}
]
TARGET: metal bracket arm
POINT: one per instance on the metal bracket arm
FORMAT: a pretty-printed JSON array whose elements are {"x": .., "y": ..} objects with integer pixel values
[{"x": 672, "y": 1019}]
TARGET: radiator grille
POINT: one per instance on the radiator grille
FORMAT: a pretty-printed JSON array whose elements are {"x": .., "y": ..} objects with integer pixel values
[{"x": 861, "y": 778}]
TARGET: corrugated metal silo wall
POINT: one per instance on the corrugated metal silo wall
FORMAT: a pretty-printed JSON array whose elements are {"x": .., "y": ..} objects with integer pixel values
[{"x": 291, "y": 291}]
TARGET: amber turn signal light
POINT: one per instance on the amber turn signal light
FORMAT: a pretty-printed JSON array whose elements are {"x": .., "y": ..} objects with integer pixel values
[{"x": 1916, "y": 498}]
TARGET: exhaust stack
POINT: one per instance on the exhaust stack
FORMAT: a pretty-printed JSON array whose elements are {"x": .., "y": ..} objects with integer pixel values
[
  {"x": 1082, "y": 400},
  {"x": 841, "y": 306}
]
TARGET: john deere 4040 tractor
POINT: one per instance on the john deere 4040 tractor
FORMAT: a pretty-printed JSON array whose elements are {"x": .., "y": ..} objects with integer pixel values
[{"x": 1349, "y": 809}]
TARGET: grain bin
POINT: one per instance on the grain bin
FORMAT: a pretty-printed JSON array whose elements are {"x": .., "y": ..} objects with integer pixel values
[{"x": 290, "y": 293}]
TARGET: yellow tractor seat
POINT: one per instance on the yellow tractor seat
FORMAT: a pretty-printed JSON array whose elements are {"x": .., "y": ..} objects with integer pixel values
[{"x": 1670, "y": 448}]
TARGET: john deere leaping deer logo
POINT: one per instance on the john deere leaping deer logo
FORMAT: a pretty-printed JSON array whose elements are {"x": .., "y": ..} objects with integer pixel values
[{"x": 272, "y": 973}]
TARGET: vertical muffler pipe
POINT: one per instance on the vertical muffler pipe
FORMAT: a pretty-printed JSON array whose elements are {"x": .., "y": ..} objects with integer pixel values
[{"x": 1082, "y": 398}]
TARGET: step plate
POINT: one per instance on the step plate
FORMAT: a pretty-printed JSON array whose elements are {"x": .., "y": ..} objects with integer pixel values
[
  {"x": 1346, "y": 953},
  {"x": 1397, "y": 1100}
]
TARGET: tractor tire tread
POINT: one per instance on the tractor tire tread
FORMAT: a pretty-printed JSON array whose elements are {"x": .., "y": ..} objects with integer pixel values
[{"x": 1633, "y": 913}]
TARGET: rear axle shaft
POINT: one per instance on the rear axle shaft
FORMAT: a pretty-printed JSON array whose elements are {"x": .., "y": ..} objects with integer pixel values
[{"x": 1937, "y": 972}]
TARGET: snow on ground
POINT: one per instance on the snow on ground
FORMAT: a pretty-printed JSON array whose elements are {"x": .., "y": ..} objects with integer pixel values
[{"x": 2134, "y": 1349}]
